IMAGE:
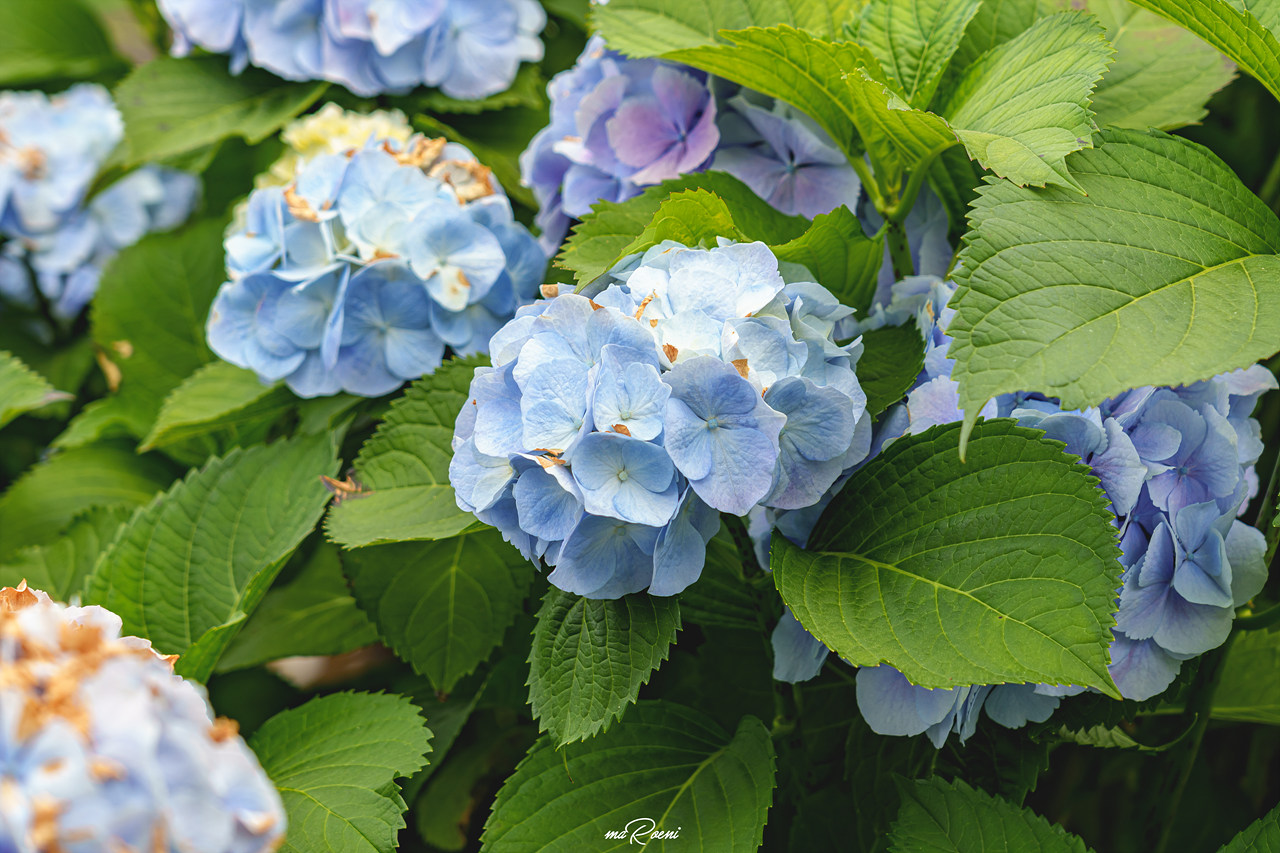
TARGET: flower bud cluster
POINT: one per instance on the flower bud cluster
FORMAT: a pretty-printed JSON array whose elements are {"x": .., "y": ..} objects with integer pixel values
[
  {"x": 360, "y": 272},
  {"x": 105, "y": 748},
  {"x": 614, "y": 424}
]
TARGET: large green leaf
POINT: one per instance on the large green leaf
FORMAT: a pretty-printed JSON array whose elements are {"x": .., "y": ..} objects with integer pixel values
[
  {"x": 443, "y": 606},
  {"x": 665, "y": 767},
  {"x": 22, "y": 389},
  {"x": 403, "y": 470},
  {"x": 44, "y": 39},
  {"x": 219, "y": 400},
  {"x": 842, "y": 258},
  {"x": 149, "y": 319},
  {"x": 914, "y": 41},
  {"x": 1021, "y": 108},
  {"x": 654, "y": 27},
  {"x": 189, "y": 568},
  {"x": 1001, "y": 568},
  {"x": 1235, "y": 32},
  {"x": 335, "y": 761},
  {"x": 313, "y": 614},
  {"x": 175, "y": 106},
  {"x": 691, "y": 217},
  {"x": 604, "y": 235},
  {"x": 1249, "y": 690},
  {"x": 1261, "y": 836},
  {"x": 994, "y": 24},
  {"x": 59, "y": 567},
  {"x": 590, "y": 658},
  {"x": 1164, "y": 274},
  {"x": 44, "y": 501},
  {"x": 951, "y": 817},
  {"x": 1163, "y": 76},
  {"x": 892, "y": 358}
]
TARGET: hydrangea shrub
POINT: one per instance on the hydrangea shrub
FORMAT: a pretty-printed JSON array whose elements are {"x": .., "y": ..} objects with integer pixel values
[{"x": 792, "y": 425}]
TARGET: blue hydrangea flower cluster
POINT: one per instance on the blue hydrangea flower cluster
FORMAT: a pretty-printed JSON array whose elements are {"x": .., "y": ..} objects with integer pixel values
[
  {"x": 613, "y": 425},
  {"x": 102, "y": 747},
  {"x": 55, "y": 243},
  {"x": 357, "y": 275},
  {"x": 468, "y": 48},
  {"x": 619, "y": 125},
  {"x": 1177, "y": 466}
]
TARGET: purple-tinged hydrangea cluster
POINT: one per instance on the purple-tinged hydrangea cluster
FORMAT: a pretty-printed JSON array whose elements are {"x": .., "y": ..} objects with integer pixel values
[
  {"x": 103, "y": 747},
  {"x": 614, "y": 425},
  {"x": 360, "y": 273},
  {"x": 55, "y": 242},
  {"x": 468, "y": 48},
  {"x": 1177, "y": 466},
  {"x": 619, "y": 125}
]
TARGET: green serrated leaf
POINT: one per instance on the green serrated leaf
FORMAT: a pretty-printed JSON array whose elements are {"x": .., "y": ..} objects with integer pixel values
[
  {"x": 1261, "y": 836},
  {"x": 1163, "y": 76},
  {"x": 1009, "y": 557},
  {"x": 42, "y": 40},
  {"x": 335, "y": 761},
  {"x": 187, "y": 569},
  {"x": 443, "y": 606},
  {"x": 655, "y": 27},
  {"x": 839, "y": 255},
  {"x": 1234, "y": 31},
  {"x": 175, "y": 106},
  {"x": 48, "y": 497},
  {"x": 1164, "y": 274},
  {"x": 218, "y": 398},
  {"x": 914, "y": 41},
  {"x": 722, "y": 596},
  {"x": 691, "y": 217},
  {"x": 1103, "y": 737},
  {"x": 1021, "y": 108},
  {"x": 404, "y": 468},
  {"x": 149, "y": 317},
  {"x": 22, "y": 389},
  {"x": 604, "y": 235},
  {"x": 665, "y": 762},
  {"x": 313, "y": 614},
  {"x": 892, "y": 358},
  {"x": 60, "y": 566},
  {"x": 590, "y": 658},
  {"x": 951, "y": 817},
  {"x": 1248, "y": 691}
]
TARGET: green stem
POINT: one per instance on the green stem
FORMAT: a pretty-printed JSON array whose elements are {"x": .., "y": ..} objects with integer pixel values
[
  {"x": 1270, "y": 191},
  {"x": 1266, "y": 510},
  {"x": 1201, "y": 704},
  {"x": 868, "y": 182},
  {"x": 899, "y": 251},
  {"x": 1256, "y": 621},
  {"x": 898, "y": 211}
]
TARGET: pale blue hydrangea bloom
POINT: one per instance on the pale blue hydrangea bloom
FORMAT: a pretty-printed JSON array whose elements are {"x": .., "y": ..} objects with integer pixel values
[
  {"x": 468, "y": 48},
  {"x": 614, "y": 425},
  {"x": 359, "y": 275},
  {"x": 1177, "y": 467},
  {"x": 57, "y": 239},
  {"x": 141, "y": 764}
]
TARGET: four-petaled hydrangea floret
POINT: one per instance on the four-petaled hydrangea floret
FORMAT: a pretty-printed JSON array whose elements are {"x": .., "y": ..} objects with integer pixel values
[
  {"x": 358, "y": 275},
  {"x": 611, "y": 428},
  {"x": 51, "y": 150},
  {"x": 468, "y": 48},
  {"x": 103, "y": 747}
]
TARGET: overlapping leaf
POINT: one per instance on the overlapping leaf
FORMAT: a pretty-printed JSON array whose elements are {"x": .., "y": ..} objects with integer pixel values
[
  {"x": 1248, "y": 692},
  {"x": 60, "y": 566},
  {"x": 892, "y": 358},
  {"x": 1261, "y": 836},
  {"x": 914, "y": 41},
  {"x": 40, "y": 40},
  {"x": 22, "y": 389},
  {"x": 218, "y": 398},
  {"x": 590, "y": 658},
  {"x": 951, "y": 817},
  {"x": 172, "y": 107},
  {"x": 335, "y": 761},
  {"x": 1165, "y": 273},
  {"x": 665, "y": 762},
  {"x": 403, "y": 469},
  {"x": 443, "y": 606},
  {"x": 1002, "y": 568},
  {"x": 187, "y": 570},
  {"x": 654, "y": 27}
]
